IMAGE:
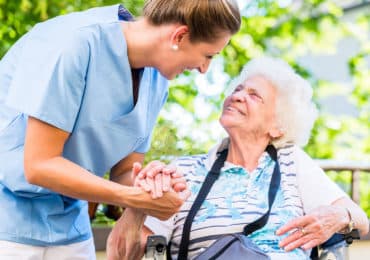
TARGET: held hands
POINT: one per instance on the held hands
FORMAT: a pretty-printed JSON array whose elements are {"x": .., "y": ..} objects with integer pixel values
[
  {"x": 158, "y": 178},
  {"x": 167, "y": 188},
  {"x": 313, "y": 229}
]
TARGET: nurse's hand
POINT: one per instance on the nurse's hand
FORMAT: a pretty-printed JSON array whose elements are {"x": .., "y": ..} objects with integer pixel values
[
  {"x": 158, "y": 177},
  {"x": 162, "y": 208}
]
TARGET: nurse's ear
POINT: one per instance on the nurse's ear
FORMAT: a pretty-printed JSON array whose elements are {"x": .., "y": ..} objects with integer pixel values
[{"x": 178, "y": 35}]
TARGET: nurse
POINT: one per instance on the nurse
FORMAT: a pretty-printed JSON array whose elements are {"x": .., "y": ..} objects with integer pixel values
[{"x": 79, "y": 95}]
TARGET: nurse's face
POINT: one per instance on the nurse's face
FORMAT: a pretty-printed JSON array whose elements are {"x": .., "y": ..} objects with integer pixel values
[{"x": 191, "y": 56}]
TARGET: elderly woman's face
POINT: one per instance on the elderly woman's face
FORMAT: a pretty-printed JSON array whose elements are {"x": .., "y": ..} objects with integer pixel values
[{"x": 250, "y": 108}]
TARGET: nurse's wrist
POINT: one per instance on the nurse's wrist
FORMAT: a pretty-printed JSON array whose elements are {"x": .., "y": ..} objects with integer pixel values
[{"x": 131, "y": 197}]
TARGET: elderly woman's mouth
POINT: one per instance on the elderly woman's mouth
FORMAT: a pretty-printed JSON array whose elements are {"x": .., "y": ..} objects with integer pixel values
[{"x": 233, "y": 109}]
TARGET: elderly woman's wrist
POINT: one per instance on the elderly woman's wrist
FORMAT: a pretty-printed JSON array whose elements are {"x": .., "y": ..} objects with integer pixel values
[
  {"x": 347, "y": 222},
  {"x": 135, "y": 216}
]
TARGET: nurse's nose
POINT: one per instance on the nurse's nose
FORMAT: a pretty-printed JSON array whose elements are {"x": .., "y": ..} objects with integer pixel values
[{"x": 204, "y": 67}]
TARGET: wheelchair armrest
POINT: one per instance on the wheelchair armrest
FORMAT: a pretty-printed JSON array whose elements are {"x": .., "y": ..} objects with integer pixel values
[
  {"x": 354, "y": 234},
  {"x": 336, "y": 239}
]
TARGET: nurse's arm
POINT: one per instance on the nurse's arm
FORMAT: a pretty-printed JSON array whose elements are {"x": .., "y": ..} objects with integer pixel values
[
  {"x": 121, "y": 172},
  {"x": 46, "y": 167}
]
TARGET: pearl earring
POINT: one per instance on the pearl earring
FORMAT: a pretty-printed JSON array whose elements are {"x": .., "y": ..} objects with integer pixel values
[{"x": 175, "y": 47}]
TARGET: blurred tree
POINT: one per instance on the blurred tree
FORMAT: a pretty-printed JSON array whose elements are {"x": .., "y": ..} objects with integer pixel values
[{"x": 18, "y": 16}]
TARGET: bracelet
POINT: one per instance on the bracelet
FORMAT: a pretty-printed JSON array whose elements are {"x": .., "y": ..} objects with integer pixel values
[{"x": 350, "y": 226}]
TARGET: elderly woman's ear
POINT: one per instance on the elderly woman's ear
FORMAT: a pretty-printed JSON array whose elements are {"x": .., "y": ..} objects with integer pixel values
[{"x": 276, "y": 133}]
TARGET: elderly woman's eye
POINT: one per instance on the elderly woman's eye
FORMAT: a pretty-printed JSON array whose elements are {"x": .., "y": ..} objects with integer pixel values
[
  {"x": 255, "y": 96},
  {"x": 238, "y": 88}
]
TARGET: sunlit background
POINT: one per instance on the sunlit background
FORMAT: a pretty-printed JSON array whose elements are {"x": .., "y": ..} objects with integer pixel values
[{"x": 326, "y": 41}]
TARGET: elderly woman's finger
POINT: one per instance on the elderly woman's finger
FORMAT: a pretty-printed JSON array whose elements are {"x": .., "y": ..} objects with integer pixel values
[
  {"x": 158, "y": 186},
  {"x": 179, "y": 187},
  {"x": 297, "y": 239},
  {"x": 311, "y": 244},
  {"x": 170, "y": 169},
  {"x": 178, "y": 184},
  {"x": 136, "y": 168},
  {"x": 293, "y": 225},
  {"x": 166, "y": 181},
  {"x": 293, "y": 236},
  {"x": 305, "y": 242},
  {"x": 150, "y": 182},
  {"x": 177, "y": 174},
  {"x": 143, "y": 184},
  {"x": 151, "y": 169}
]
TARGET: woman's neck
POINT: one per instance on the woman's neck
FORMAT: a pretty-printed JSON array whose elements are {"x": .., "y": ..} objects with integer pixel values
[{"x": 246, "y": 151}]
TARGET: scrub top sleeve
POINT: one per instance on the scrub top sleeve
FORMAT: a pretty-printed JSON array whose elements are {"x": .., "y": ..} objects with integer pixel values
[{"x": 49, "y": 80}]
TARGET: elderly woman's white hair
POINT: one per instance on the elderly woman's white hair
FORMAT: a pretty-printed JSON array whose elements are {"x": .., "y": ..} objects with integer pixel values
[{"x": 295, "y": 111}]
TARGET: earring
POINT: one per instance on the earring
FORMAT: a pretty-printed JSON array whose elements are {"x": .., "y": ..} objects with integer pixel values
[{"x": 175, "y": 47}]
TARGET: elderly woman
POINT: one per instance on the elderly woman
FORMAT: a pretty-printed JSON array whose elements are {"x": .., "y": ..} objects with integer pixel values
[{"x": 270, "y": 104}]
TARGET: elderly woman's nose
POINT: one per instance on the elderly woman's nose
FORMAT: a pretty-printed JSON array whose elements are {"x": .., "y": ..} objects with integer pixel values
[{"x": 238, "y": 96}]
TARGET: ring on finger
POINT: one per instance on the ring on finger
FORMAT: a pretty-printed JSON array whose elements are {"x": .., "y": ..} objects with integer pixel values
[{"x": 303, "y": 231}]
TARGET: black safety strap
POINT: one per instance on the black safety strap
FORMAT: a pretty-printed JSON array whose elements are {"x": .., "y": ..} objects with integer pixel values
[
  {"x": 212, "y": 176},
  {"x": 274, "y": 186}
]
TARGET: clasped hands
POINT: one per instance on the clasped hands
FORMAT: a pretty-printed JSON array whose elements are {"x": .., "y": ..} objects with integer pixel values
[
  {"x": 158, "y": 178},
  {"x": 162, "y": 189},
  {"x": 168, "y": 190}
]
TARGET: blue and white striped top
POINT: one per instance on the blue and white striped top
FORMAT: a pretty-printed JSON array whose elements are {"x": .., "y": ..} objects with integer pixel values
[{"x": 238, "y": 198}]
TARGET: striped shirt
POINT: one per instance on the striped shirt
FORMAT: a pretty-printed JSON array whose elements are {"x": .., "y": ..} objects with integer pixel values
[{"x": 236, "y": 199}]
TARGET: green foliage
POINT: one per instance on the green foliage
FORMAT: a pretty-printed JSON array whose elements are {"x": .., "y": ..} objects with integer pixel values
[
  {"x": 102, "y": 220},
  {"x": 18, "y": 16}
]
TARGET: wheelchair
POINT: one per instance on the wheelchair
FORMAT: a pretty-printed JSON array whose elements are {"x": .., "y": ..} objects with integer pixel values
[{"x": 336, "y": 248}]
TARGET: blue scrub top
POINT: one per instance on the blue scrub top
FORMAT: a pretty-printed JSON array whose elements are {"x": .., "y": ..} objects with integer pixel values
[{"x": 73, "y": 73}]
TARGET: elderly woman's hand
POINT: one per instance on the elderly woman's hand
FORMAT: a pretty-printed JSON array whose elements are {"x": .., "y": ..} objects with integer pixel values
[
  {"x": 314, "y": 228},
  {"x": 158, "y": 177}
]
